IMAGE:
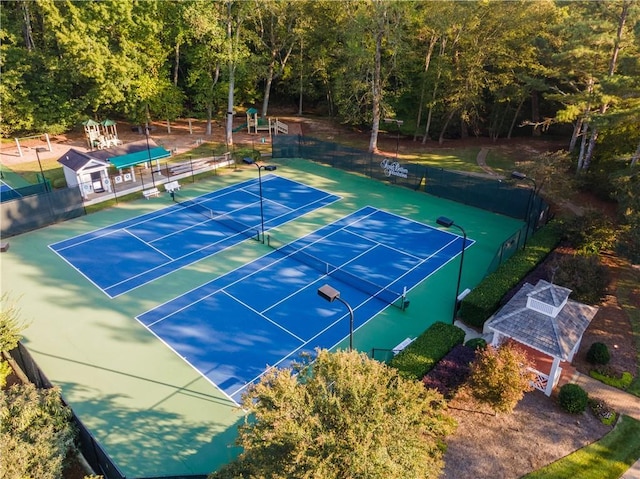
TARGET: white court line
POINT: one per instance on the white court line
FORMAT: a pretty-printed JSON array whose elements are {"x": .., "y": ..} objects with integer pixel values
[{"x": 224, "y": 291}]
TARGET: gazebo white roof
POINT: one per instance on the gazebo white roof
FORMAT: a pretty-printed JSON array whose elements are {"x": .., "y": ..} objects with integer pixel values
[{"x": 543, "y": 318}]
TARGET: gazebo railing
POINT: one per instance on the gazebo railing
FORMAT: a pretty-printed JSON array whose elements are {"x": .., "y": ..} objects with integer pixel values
[{"x": 540, "y": 380}]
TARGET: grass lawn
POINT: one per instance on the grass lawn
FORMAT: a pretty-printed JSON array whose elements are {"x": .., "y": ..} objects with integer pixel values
[
  {"x": 462, "y": 159},
  {"x": 607, "y": 458}
]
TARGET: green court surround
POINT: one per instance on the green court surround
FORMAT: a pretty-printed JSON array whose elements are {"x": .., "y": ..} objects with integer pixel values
[{"x": 154, "y": 414}]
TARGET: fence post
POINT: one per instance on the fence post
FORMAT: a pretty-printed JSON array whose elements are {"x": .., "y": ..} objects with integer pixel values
[{"x": 141, "y": 178}]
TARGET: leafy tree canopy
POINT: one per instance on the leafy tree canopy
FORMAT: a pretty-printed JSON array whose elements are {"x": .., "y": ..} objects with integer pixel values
[
  {"x": 345, "y": 415},
  {"x": 35, "y": 433},
  {"x": 499, "y": 376}
]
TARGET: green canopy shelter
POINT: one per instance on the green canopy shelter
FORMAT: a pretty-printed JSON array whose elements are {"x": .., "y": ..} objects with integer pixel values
[{"x": 138, "y": 157}]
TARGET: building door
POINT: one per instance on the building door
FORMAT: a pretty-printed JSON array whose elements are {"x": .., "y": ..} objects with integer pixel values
[{"x": 96, "y": 182}]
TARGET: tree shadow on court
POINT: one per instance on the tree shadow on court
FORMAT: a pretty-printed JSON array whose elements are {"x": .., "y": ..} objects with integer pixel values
[{"x": 151, "y": 441}]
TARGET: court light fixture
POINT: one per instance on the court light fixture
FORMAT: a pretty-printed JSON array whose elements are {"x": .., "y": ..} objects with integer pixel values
[
  {"x": 448, "y": 223},
  {"x": 260, "y": 168},
  {"x": 328, "y": 293},
  {"x": 516, "y": 175}
]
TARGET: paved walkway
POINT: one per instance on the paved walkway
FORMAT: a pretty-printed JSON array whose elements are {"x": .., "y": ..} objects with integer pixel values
[
  {"x": 622, "y": 402},
  {"x": 481, "y": 159}
]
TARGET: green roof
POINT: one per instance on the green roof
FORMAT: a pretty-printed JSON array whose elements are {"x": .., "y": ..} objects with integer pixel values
[{"x": 139, "y": 157}]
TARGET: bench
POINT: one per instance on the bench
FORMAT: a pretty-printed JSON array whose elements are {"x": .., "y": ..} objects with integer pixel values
[
  {"x": 180, "y": 168},
  {"x": 151, "y": 192},
  {"x": 172, "y": 186},
  {"x": 402, "y": 345}
]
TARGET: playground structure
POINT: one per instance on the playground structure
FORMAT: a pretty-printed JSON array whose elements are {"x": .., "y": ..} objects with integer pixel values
[
  {"x": 272, "y": 125},
  {"x": 43, "y": 137},
  {"x": 101, "y": 135}
]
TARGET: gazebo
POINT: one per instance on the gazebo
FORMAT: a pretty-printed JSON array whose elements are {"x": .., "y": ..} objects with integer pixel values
[{"x": 544, "y": 319}]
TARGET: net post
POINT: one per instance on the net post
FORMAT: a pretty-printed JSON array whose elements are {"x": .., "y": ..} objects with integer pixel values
[{"x": 404, "y": 297}]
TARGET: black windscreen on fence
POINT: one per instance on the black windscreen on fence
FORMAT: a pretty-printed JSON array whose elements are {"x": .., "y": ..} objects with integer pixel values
[
  {"x": 492, "y": 194},
  {"x": 29, "y": 213}
]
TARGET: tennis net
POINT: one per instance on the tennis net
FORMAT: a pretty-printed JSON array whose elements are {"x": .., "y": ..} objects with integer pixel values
[
  {"x": 234, "y": 225},
  {"x": 380, "y": 292}
]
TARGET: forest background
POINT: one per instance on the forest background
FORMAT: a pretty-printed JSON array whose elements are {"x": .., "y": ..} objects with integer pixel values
[{"x": 433, "y": 71}]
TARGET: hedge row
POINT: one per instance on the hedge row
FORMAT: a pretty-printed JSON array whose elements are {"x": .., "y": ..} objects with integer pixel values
[
  {"x": 431, "y": 346},
  {"x": 484, "y": 300}
]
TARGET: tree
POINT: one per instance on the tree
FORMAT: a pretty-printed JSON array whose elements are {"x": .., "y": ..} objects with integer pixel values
[
  {"x": 346, "y": 415},
  {"x": 206, "y": 36},
  {"x": 35, "y": 433},
  {"x": 500, "y": 376},
  {"x": 595, "y": 45},
  {"x": 276, "y": 34},
  {"x": 234, "y": 18}
]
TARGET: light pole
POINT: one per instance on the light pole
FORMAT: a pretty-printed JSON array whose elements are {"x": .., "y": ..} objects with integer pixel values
[
  {"x": 38, "y": 150},
  {"x": 260, "y": 168},
  {"x": 146, "y": 130},
  {"x": 447, "y": 223},
  {"x": 398, "y": 124},
  {"x": 330, "y": 294},
  {"x": 516, "y": 175}
]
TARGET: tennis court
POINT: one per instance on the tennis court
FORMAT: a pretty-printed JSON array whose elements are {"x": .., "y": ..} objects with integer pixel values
[
  {"x": 129, "y": 254},
  {"x": 267, "y": 312},
  {"x": 5, "y": 188},
  {"x": 119, "y": 360}
]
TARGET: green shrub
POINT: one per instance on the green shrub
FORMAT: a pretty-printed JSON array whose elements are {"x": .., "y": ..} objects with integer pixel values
[
  {"x": 623, "y": 382},
  {"x": 629, "y": 242},
  {"x": 591, "y": 233},
  {"x": 476, "y": 343},
  {"x": 5, "y": 371},
  {"x": 59, "y": 183},
  {"x": 485, "y": 299},
  {"x": 598, "y": 353},
  {"x": 573, "y": 399},
  {"x": 421, "y": 355},
  {"x": 584, "y": 275}
]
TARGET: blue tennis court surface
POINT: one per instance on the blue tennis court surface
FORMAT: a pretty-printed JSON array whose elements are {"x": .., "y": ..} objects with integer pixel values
[
  {"x": 267, "y": 312},
  {"x": 131, "y": 253},
  {"x": 4, "y": 188}
]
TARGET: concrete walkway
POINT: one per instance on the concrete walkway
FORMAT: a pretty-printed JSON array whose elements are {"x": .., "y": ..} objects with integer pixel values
[
  {"x": 481, "y": 159},
  {"x": 620, "y": 401}
]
